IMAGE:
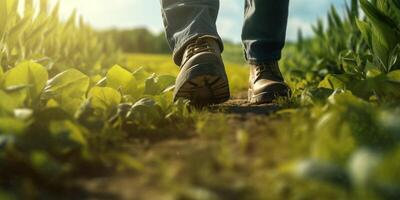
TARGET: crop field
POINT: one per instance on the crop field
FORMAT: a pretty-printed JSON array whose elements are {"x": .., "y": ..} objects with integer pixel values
[{"x": 79, "y": 119}]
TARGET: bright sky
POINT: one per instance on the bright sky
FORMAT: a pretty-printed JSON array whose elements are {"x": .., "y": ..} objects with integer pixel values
[{"x": 138, "y": 13}]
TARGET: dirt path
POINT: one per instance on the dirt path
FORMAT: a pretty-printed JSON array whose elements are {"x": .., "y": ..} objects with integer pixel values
[{"x": 226, "y": 156}]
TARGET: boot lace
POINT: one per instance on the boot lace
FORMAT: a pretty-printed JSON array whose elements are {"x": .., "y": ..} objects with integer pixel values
[
  {"x": 268, "y": 71},
  {"x": 198, "y": 46}
]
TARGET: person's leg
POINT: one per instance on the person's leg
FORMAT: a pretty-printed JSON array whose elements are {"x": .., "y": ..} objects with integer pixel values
[
  {"x": 191, "y": 32},
  {"x": 185, "y": 20},
  {"x": 263, "y": 36},
  {"x": 264, "y": 29}
]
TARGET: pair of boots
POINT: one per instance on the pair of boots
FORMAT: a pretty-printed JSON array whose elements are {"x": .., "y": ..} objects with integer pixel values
[{"x": 203, "y": 80}]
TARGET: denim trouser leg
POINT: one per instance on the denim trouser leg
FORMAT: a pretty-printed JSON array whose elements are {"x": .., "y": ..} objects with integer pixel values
[
  {"x": 263, "y": 34},
  {"x": 264, "y": 29},
  {"x": 185, "y": 20}
]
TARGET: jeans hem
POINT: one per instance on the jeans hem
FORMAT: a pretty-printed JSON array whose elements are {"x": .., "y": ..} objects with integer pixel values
[{"x": 259, "y": 61}]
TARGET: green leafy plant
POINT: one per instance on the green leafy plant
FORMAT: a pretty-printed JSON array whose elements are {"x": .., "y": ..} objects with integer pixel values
[
  {"x": 44, "y": 38},
  {"x": 354, "y": 101},
  {"x": 382, "y": 32},
  {"x": 60, "y": 104}
]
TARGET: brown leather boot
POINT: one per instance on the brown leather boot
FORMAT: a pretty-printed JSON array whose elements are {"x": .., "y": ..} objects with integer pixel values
[
  {"x": 202, "y": 78},
  {"x": 266, "y": 83}
]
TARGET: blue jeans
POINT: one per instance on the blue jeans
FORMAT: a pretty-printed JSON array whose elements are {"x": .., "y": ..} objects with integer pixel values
[{"x": 263, "y": 34}]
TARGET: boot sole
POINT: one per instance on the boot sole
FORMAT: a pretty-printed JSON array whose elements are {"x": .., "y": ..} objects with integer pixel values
[{"x": 203, "y": 85}]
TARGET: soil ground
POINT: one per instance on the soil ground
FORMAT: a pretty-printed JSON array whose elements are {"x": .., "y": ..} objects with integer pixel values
[{"x": 232, "y": 153}]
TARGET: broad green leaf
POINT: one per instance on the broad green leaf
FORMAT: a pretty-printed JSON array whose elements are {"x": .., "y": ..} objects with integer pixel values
[
  {"x": 3, "y": 17},
  {"x": 1, "y": 74},
  {"x": 380, "y": 20},
  {"x": 360, "y": 88},
  {"x": 7, "y": 103},
  {"x": 141, "y": 75},
  {"x": 382, "y": 6},
  {"x": 386, "y": 29},
  {"x": 68, "y": 89},
  {"x": 96, "y": 79},
  {"x": 378, "y": 86},
  {"x": 104, "y": 98},
  {"x": 394, "y": 61},
  {"x": 385, "y": 33},
  {"x": 19, "y": 94},
  {"x": 349, "y": 62},
  {"x": 394, "y": 76},
  {"x": 380, "y": 49},
  {"x": 120, "y": 79},
  {"x": 12, "y": 126},
  {"x": 395, "y": 4},
  {"x": 52, "y": 103},
  {"x": 386, "y": 86},
  {"x": 365, "y": 30},
  {"x": 27, "y": 74},
  {"x": 345, "y": 98},
  {"x": 157, "y": 84},
  {"x": 67, "y": 85},
  {"x": 75, "y": 133},
  {"x": 314, "y": 96},
  {"x": 371, "y": 73},
  {"x": 333, "y": 81},
  {"x": 145, "y": 112},
  {"x": 165, "y": 101}
]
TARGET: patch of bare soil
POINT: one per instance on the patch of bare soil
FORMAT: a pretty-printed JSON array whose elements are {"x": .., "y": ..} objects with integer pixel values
[
  {"x": 243, "y": 107},
  {"x": 172, "y": 163}
]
